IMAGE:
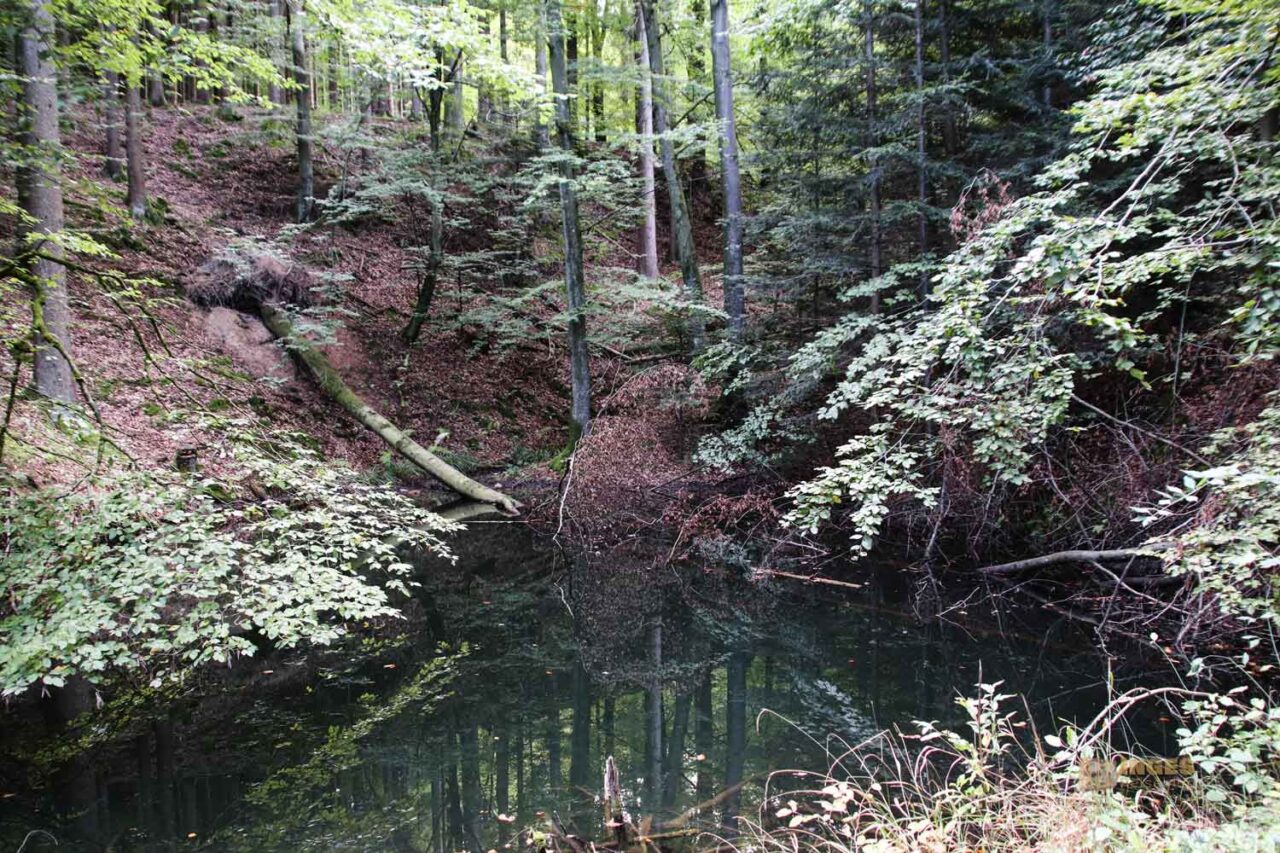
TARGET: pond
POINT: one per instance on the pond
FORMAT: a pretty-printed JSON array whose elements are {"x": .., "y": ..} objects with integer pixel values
[{"x": 521, "y": 669}]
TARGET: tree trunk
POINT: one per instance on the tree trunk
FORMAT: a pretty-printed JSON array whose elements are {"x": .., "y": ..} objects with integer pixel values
[
  {"x": 329, "y": 380},
  {"x": 306, "y": 165},
  {"x": 950, "y": 141},
  {"x": 697, "y": 175},
  {"x": 504, "y": 104},
  {"x": 274, "y": 92},
  {"x": 653, "y": 717},
  {"x": 455, "y": 109},
  {"x": 430, "y": 276},
  {"x": 722, "y": 81},
  {"x": 922, "y": 165},
  {"x": 575, "y": 287},
  {"x": 113, "y": 153},
  {"x": 873, "y": 140},
  {"x": 40, "y": 190},
  {"x": 335, "y": 100},
  {"x": 736, "y": 732},
  {"x": 681, "y": 225},
  {"x": 1047, "y": 19},
  {"x": 540, "y": 131},
  {"x": 570, "y": 26},
  {"x": 137, "y": 165},
  {"x": 649, "y": 230},
  {"x": 597, "y": 87}
]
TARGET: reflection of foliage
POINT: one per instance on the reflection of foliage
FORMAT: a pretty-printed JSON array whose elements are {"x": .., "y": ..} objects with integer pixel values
[{"x": 301, "y": 799}]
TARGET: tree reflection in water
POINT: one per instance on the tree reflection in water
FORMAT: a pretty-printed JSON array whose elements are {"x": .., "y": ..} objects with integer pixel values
[{"x": 452, "y": 738}]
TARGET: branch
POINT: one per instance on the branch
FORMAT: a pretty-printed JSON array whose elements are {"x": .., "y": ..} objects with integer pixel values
[
  {"x": 1196, "y": 456},
  {"x": 1071, "y": 557}
]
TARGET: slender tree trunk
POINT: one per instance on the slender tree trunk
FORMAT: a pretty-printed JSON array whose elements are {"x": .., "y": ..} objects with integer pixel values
[
  {"x": 113, "y": 153},
  {"x": 704, "y": 738},
  {"x": 155, "y": 82},
  {"x": 435, "y": 257},
  {"x": 40, "y": 190},
  {"x": 649, "y": 230},
  {"x": 540, "y": 130},
  {"x": 681, "y": 225},
  {"x": 697, "y": 174},
  {"x": 503, "y": 36},
  {"x": 873, "y": 140},
  {"x": 597, "y": 88},
  {"x": 580, "y": 769},
  {"x": 484, "y": 101},
  {"x": 302, "y": 76},
  {"x": 722, "y": 80},
  {"x": 455, "y": 110},
  {"x": 469, "y": 747},
  {"x": 653, "y": 713},
  {"x": 1047, "y": 19},
  {"x": 137, "y": 162},
  {"x": 736, "y": 732},
  {"x": 275, "y": 93},
  {"x": 575, "y": 287},
  {"x": 922, "y": 163},
  {"x": 950, "y": 140},
  {"x": 570, "y": 24}
]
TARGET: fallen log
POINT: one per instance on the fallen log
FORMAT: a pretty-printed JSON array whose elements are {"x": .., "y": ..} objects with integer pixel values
[
  {"x": 1124, "y": 554},
  {"x": 328, "y": 379}
]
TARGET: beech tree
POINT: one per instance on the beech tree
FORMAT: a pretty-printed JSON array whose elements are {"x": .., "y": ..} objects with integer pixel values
[
  {"x": 302, "y": 79},
  {"x": 575, "y": 287},
  {"x": 722, "y": 80},
  {"x": 649, "y": 228},
  {"x": 40, "y": 193},
  {"x": 681, "y": 224}
]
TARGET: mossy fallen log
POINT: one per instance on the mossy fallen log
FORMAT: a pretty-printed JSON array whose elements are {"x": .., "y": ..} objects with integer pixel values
[{"x": 328, "y": 379}]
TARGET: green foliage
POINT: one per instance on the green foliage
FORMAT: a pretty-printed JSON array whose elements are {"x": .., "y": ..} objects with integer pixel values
[
  {"x": 153, "y": 576},
  {"x": 1165, "y": 197},
  {"x": 1231, "y": 517}
]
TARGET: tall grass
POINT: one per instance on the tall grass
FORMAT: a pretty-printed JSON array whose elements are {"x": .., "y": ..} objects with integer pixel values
[{"x": 1002, "y": 787}]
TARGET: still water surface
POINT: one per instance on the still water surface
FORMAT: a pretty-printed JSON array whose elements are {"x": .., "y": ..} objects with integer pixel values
[{"x": 522, "y": 670}]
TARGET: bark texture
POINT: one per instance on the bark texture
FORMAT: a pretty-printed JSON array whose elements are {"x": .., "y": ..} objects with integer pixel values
[
  {"x": 649, "y": 229},
  {"x": 113, "y": 153},
  {"x": 41, "y": 196},
  {"x": 722, "y": 80},
  {"x": 137, "y": 163},
  {"x": 306, "y": 160}
]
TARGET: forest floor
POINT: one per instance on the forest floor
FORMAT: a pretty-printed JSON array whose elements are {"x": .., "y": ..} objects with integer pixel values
[{"x": 217, "y": 183}]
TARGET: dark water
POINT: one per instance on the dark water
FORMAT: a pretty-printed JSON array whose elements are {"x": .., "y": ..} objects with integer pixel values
[{"x": 521, "y": 670}]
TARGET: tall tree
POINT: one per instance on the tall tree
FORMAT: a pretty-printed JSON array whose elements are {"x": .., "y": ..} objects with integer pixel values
[
  {"x": 873, "y": 142},
  {"x": 135, "y": 160},
  {"x": 302, "y": 77},
  {"x": 722, "y": 81},
  {"x": 681, "y": 224},
  {"x": 275, "y": 93},
  {"x": 575, "y": 287},
  {"x": 113, "y": 153},
  {"x": 922, "y": 139},
  {"x": 649, "y": 227},
  {"x": 40, "y": 190}
]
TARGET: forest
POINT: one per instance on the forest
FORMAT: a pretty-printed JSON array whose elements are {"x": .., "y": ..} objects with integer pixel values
[{"x": 655, "y": 425}]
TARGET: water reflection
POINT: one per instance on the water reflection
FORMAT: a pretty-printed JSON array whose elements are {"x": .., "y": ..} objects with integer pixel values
[{"x": 519, "y": 662}]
